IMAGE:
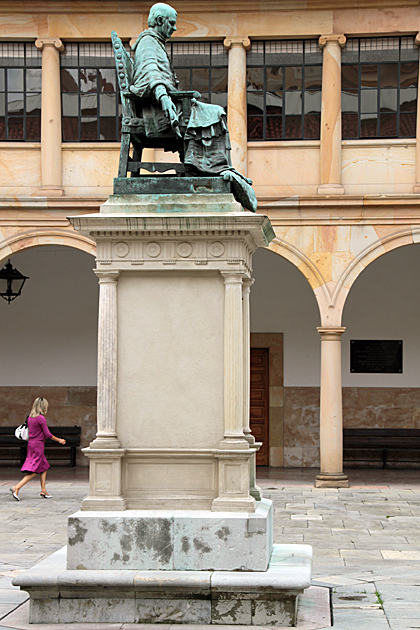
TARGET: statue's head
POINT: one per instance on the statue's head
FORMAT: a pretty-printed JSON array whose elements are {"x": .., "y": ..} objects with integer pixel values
[{"x": 162, "y": 18}]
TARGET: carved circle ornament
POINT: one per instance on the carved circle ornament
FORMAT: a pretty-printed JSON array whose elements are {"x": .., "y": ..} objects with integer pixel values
[
  {"x": 153, "y": 249},
  {"x": 184, "y": 249},
  {"x": 121, "y": 249},
  {"x": 217, "y": 249}
]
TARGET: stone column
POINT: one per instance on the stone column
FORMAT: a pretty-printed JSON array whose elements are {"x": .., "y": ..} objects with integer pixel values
[
  {"x": 330, "y": 154},
  {"x": 106, "y": 436},
  {"x": 237, "y": 114},
  {"x": 331, "y": 412},
  {"x": 50, "y": 117},
  {"x": 254, "y": 490},
  {"x": 417, "y": 184}
]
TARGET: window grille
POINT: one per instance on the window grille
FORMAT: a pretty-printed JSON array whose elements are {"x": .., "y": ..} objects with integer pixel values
[
  {"x": 90, "y": 101},
  {"x": 284, "y": 80},
  {"x": 379, "y": 85},
  {"x": 20, "y": 92},
  {"x": 201, "y": 66}
]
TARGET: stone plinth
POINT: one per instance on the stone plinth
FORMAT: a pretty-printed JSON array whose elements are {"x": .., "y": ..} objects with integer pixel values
[
  {"x": 171, "y": 531},
  {"x": 178, "y": 540},
  {"x": 173, "y": 272},
  {"x": 258, "y": 598}
]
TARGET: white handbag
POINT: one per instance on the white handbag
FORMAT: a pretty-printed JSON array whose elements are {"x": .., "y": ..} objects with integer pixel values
[{"x": 22, "y": 432}]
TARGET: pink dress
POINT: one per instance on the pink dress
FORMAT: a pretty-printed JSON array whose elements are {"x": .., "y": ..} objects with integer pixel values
[{"x": 35, "y": 461}]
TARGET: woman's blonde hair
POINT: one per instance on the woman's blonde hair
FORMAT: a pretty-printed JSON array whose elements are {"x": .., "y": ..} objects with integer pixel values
[{"x": 40, "y": 407}]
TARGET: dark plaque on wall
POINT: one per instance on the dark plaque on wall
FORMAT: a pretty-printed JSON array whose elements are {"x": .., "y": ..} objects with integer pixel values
[{"x": 375, "y": 356}]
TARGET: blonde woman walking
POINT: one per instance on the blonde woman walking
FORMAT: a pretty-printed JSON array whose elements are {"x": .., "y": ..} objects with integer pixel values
[{"x": 36, "y": 462}]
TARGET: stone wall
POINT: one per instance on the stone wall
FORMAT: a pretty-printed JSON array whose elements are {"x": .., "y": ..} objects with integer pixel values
[
  {"x": 298, "y": 430},
  {"x": 364, "y": 407},
  {"x": 68, "y": 406}
]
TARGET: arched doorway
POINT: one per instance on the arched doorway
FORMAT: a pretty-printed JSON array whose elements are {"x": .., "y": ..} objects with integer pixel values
[
  {"x": 284, "y": 317},
  {"x": 49, "y": 339}
]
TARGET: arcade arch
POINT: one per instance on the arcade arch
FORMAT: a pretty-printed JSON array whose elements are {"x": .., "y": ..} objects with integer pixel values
[
  {"x": 284, "y": 317},
  {"x": 383, "y": 304},
  {"x": 49, "y": 336}
]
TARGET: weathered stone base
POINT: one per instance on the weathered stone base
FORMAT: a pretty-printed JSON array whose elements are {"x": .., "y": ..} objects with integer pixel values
[
  {"x": 180, "y": 540},
  {"x": 190, "y": 597}
]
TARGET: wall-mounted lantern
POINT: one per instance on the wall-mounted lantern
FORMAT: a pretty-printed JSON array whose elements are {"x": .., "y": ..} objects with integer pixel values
[{"x": 11, "y": 282}]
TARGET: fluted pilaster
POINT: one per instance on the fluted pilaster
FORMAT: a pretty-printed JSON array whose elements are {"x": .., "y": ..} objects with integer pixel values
[
  {"x": 106, "y": 436},
  {"x": 233, "y": 363},
  {"x": 246, "y": 290}
]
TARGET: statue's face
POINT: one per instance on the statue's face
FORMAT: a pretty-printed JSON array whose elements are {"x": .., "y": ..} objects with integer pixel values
[{"x": 166, "y": 25}]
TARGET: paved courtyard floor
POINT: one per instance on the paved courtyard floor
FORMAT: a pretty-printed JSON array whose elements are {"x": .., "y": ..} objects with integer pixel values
[{"x": 366, "y": 542}]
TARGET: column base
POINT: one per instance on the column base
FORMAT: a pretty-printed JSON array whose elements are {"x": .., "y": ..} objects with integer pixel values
[
  {"x": 234, "y": 443},
  {"x": 330, "y": 189},
  {"x": 49, "y": 191},
  {"x": 324, "y": 480},
  {"x": 105, "y": 443},
  {"x": 416, "y": 189}
]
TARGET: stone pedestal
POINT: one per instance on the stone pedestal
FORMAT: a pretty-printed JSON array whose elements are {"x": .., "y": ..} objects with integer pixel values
[
  {"x": 171, "y": 531},
  {"x": 173, "y": 272}
]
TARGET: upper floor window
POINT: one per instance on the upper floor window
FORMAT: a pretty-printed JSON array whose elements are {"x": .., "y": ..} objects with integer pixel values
[
  {"x": 284, "y": 80},
  {"x": 379, "y": 78},
  {"x": 89, "y": 93},
  {"x": 20, "y": 91},
  {"x": 201, "y": 66}
]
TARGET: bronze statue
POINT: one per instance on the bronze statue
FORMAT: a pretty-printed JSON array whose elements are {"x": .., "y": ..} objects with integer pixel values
[{"x": 174, "y": 120}]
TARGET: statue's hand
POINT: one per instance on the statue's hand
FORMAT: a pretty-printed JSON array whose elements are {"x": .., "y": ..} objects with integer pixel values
[{"x": 169, "y": 109}]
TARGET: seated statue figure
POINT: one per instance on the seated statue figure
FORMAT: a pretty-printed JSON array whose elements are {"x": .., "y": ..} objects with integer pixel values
[{"x": 206, "y": 139}]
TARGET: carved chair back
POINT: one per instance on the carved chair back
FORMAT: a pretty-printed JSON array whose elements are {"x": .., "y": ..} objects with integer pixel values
[{"x": 133, "y": 129}]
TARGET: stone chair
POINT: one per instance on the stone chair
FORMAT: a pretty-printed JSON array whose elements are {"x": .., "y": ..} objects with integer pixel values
[{"x": 133, "y": 131}]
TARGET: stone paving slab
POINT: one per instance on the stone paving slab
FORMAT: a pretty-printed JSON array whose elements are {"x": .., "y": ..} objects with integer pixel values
[{"x": 365, "y": 538}]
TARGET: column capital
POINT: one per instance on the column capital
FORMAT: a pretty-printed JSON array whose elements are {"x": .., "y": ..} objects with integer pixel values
[
  {"x": 417, "y": 40},
  {"x": 230, "y": 42},
  {"x": 107, "y": 277},
  {"x": 233, "y": 277},
  {"x": 50, "y": 41},
  {"x": 247, "y": 284},
  {"x": 338, "y": 38},
  {"x": 331, "y": 334}
]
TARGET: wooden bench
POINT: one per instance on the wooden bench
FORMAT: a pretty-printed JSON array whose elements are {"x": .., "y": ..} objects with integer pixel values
[
  {"x": 70, "y": 434},
  {"x": 382, "y": 440}
]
